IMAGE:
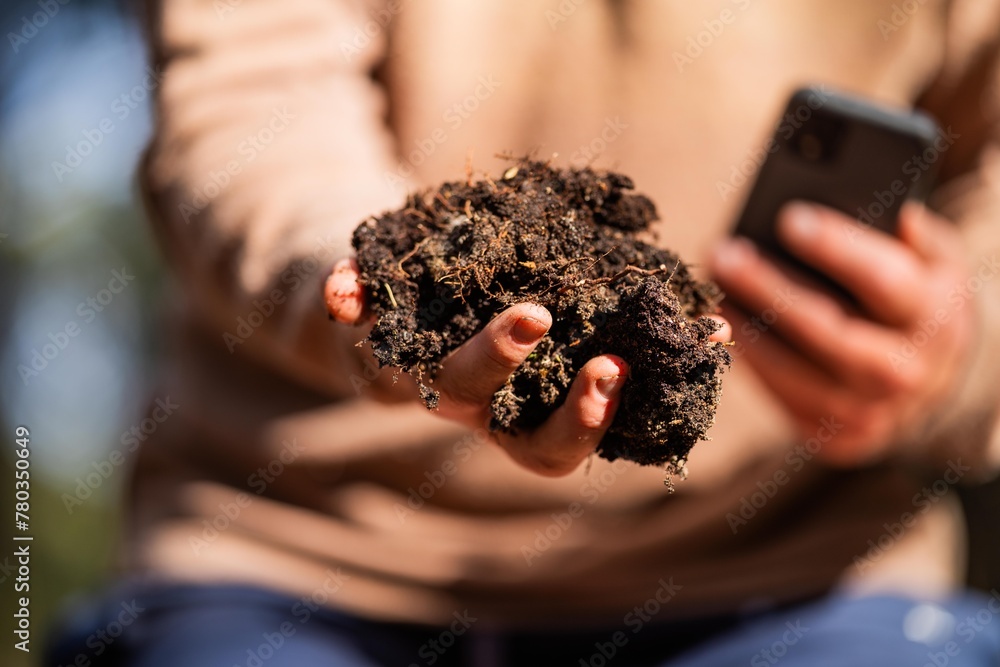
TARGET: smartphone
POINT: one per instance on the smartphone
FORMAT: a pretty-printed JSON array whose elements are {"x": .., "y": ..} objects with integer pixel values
[{"x": 844, "y": 152}]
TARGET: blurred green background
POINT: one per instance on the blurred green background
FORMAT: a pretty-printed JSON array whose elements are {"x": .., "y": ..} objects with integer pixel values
[{"x": 66, "y": 222}]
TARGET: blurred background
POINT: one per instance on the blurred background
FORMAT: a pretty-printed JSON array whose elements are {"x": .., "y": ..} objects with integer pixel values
[{"x": 74, "y": 117}]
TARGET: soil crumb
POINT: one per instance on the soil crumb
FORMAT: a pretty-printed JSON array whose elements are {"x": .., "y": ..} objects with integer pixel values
[{"x": 439, "y": 269}]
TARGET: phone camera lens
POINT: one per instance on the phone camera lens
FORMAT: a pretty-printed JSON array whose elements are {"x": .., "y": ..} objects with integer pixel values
[{"x": 810, "y": 147}]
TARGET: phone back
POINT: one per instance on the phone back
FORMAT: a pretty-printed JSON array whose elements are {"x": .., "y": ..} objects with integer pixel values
[{"x": 843, "y": 152}]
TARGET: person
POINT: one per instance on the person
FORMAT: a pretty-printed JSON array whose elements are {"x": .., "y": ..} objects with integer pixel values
[{"x": 301, "y": 507}]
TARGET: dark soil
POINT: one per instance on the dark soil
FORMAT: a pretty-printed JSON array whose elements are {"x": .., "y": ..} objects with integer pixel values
[{"x": 439, "y": 269}]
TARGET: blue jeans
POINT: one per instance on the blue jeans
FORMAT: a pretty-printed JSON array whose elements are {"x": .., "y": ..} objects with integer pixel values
[{"x": 236, "y": 626}]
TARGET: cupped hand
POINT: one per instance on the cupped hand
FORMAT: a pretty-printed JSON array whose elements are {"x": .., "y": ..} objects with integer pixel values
[{"x": 477, "y": 369}]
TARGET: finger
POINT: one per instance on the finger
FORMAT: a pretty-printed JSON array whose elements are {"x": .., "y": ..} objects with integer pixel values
[
  {"x": 725, "y": 333},
  {"x": 575, "y": 429},
  {"x": 853, "y": 349},
  {"x": 855, "y": 428},
  {"x": 804, "y": 388},
  {"x": 932, "y": 237},
  {"x": 475, "y": 371},
  {"x": 883, "y": 273},
  {"x": 344, "y": 295}
]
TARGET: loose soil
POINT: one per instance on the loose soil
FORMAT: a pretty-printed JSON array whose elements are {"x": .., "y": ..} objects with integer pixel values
[{"x": 439, "y": 269}]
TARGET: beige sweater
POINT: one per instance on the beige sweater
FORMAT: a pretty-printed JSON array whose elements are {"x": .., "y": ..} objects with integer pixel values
[{"x": 280, "y": 126}]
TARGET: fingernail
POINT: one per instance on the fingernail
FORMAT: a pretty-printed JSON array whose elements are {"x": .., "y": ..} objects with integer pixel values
[
  {"x": 528, "y": 330},
  {"x": 802, "y": 221},
  {"x": 610, "y": 385},
  {"x": 342, "y": 284}
]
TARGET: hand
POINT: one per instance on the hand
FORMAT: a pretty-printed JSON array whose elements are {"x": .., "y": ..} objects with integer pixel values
[
  {"x": 881, "y": 375},
  {"x": 475, "y": 371}
]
